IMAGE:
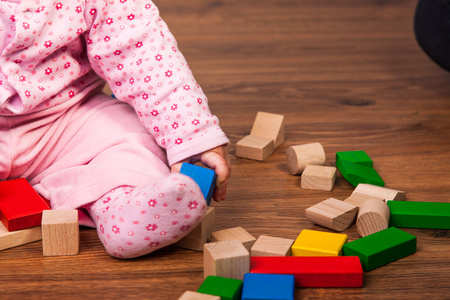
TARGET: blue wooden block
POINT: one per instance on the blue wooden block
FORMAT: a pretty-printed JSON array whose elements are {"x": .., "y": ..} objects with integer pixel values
[
  {"x": 268, "y": 287},
  {"x": 205, "y": 178}
]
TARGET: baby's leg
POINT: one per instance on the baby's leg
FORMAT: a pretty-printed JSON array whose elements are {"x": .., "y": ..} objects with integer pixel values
[{"x": 132, "y": 222}]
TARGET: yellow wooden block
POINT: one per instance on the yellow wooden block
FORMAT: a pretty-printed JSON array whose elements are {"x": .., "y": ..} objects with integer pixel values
[{"x": 318, "y": 243}]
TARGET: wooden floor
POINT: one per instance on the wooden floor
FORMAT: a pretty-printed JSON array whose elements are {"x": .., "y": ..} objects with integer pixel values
[{"x": 346, "y": 73}]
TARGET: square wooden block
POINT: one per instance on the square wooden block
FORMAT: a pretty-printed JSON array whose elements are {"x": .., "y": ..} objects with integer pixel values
[
  {"x": 254, "y": 147},
  {"x": 200, "y": 234},
  {"x": 318, "y": 243},
  {"x": 271, "y": 246},
  {"x": 236, "y": 233},
  {"x": 228, "y": 259},
  {"x": 318, "y": 178},
  {"x": 60, "y": 232}
]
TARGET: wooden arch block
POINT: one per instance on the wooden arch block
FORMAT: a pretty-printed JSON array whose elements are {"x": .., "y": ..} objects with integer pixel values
[
  {"x": 373, "y": 217},
  {"x": 332, "y": 213},
  {"x": 299, "y": 156}
]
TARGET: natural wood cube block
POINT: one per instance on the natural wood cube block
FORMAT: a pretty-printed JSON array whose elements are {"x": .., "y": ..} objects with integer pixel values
[
  {"x": 200, "y": 234},
  {"x": 332, "y": 213},
  {"x": 10, "y": 239},
  {"x": 254, "y": 147},
  {"x": 373, "y": 216},
  {"x": 236, "y": 233},
  {"x": 271, "y": 246},
  {"x": 60, "y": 232},
  {"x": 299, "y": 156},
  {"x": 318, "y": 178},
  {"x": 318, "y": 243},
  {"x": 228, "y": 259},
  {"x": 268, "y": 125},
  {"x": 190, "y": 295}
]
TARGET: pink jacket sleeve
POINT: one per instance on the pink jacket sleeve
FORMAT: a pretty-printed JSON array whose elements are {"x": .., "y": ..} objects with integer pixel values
[{"x": 131, "y": 47}]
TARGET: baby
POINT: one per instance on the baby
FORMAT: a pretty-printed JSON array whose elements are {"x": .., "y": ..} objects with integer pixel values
[{"x": 115, "y": 160}]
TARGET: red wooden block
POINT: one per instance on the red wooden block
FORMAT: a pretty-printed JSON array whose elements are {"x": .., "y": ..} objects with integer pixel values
[
  {"x": 20, "y": 206},
  {"x": 318, "y": 271}
]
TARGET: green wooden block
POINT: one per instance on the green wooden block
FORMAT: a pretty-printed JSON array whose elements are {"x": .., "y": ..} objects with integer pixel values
[
  {"x": 226, "y": 288},
  {"x": 381, "y": 248},
  {"x": 411, "y": 214},
  {"x": 357, "y": 173},
  {"x": 357, "y": 157}
]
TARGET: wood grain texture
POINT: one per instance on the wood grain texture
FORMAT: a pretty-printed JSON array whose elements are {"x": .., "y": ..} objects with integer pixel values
[{"x": 346, "y": 73}]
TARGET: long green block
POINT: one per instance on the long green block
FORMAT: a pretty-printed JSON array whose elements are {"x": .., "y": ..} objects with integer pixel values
[
  {"x": 226, "y": 288},
  {"x": 381, "y": 248},
  {"x": 357, "y": 157},
  {"x": 357, "y": 173},
  {"x": 411, "y": 214}
]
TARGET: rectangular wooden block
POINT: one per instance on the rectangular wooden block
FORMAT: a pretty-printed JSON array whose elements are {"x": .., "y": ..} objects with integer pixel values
[
  {"x": 339, "y": 271},
  {"x": 318, "y": 178},
  {"x": 254, "y": 147},
  {"x": 358, "y": 199},
  {"x": 380, "y": 192},
  {"x": 226, "y": 259},
  {"x": 332, "y": 213},
  {"x": 20, "y": 206},
  {"x": 204, "y": 177},
  {"x": 190, "y": 295},
  {"x": 271, "y": 246},
  {"x": 268, "y": 125},
  {"x": 226, "y": 288},
  {"x": 381, "y": 248},
  {"x": 236, "y": 233},
  {"x": 60, "y": 232},
  {"x": 268, "y": 287},
  {"x": 318, "y": 243},
  {"x": 200, "y": 234},
  {"x": 412, "y": 214},
  {"x": 10, "y": 239}
]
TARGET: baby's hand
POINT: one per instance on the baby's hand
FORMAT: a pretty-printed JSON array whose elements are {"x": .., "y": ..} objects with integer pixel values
[{"x": 216, "y": 159}]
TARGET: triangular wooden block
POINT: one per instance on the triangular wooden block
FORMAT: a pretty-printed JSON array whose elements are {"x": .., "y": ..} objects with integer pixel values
[
  {"x": 268, "y": 125},
  {"x": 332, "y": 213}
]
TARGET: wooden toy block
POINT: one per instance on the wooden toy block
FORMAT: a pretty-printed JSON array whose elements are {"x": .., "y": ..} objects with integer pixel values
[
  {"x": 332, "y": 213},
  {"x": 20, "y": 206},
  {"x": 226, "y": 259},
  {"x": 373, "y": 216},
  {"x": 381, "y": 248},
  {"x": 358, "y": 199},
  {"x": 357, "y": 173},
  {"x": 236, "y": 233},
  {"x": 268, "y": 287},
  {"x": 271, "y": 246},
  {"x": 60, "y": 232},
  {"x": 204, "y": 177},
  {"x": 318, "y": 243},
  {"x": 200, "y": 234},
  {"x": 339, "y": 271},
  {"x": 254, "y": 147},
  {"x": 190, "y": 295},
  {"x": 380, "y": 192},
  {"x": 318, "y": 178},
  {"x": 10, "y": 239},
  {"x": 357, "y": 157},
  {"x": 268, "y": 125},
  {"x": 412, "y": 214},
  {"x": 298, "y": 157},
  {"x": 226, "y": 288}
]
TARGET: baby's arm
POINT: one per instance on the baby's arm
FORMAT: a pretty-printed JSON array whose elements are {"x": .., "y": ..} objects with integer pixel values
[{"x": 133, "y": 50}]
